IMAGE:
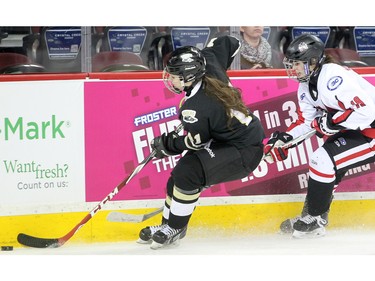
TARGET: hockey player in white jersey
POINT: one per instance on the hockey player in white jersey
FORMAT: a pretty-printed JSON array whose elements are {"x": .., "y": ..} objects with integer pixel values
[{"x": 339, "y": 104}]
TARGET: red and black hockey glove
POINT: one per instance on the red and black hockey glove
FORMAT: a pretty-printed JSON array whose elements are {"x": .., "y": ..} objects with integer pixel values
[
  {"x": 163, "y": 144},
  {"x": 325, "y": 126},
  {"x": 274, "y": 150}
]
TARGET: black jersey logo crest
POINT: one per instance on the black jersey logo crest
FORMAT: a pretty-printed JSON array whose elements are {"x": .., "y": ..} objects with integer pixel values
[{"x": 189, "y": 116}]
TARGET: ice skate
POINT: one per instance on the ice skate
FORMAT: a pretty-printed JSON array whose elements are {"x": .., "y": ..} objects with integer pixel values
[
  {"x": 286, "y": 227},
  {"x": 167, "y": 236},
  {"x": 145, "y": 235},
  {"x": 309, "y": 227}
]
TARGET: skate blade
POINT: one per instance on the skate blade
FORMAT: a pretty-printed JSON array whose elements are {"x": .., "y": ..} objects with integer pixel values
[
  {"x": 319, "y": 232},
  {"x": 156, "y": 245},
  {"x": 283, "y": 232},
  {"x": 140, "y": 241}
]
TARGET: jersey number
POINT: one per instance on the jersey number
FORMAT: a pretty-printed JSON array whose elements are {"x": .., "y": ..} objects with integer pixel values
[{"x": 357, "y": 102}]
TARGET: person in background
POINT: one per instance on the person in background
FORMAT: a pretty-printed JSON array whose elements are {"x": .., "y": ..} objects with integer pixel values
[
  {"x": 223, "y": 138},
  {"x": 339, "y": 104},
  {"x": 256, "y": 52}
]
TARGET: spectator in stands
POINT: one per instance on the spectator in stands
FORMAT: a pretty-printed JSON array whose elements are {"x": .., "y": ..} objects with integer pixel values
[{"x": 255, "y": 50}]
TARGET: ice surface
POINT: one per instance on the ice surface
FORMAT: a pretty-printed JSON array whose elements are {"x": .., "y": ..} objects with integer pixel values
[{"x": 346, "y": 253}]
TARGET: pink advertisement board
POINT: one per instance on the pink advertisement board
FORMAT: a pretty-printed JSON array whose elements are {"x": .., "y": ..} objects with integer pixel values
[{"x": 122, "y": 117}]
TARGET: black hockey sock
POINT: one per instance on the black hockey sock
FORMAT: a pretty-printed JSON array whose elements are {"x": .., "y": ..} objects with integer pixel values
[{"x": 319, "y": 196}]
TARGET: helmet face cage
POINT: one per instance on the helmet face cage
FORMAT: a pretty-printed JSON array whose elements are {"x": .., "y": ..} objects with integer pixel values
[
  {"x": 170, "y": 85},
  {"x": 290, "y": 68},
  {"x": 188, "y": 64}
]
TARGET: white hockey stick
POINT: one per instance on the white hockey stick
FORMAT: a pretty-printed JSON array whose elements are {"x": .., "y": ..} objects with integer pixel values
[
  {"x": 295, "y": 141},
  {"x": 124, "y": 217},
  {"x": 300, "y": 138}
]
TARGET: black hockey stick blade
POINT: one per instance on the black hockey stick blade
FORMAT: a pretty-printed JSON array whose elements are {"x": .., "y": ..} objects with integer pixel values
[
  {"x": 37, "y": 242},
  {"x": 124, "y": 217}
]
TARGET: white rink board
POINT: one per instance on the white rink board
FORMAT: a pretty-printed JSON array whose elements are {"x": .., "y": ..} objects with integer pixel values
[{"x": 41, "y": 143}]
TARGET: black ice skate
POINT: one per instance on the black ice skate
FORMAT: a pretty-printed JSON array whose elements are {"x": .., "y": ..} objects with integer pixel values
[
  {"x": 309, "y": 227},
  {"x": 286, "y": 227},
  {"x": 167, "y": 236},
  {"x": 145, "y": 235}
]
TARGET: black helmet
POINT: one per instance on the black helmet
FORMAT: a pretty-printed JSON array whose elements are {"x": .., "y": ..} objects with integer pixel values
[
  {"x": 308, "y": 49},
  {"x": 186, "y": 62}
]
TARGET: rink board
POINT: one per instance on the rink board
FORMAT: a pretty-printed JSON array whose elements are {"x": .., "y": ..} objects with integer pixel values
[
  {"x": 60, "y": 158},
  {"x": 226, "y": 219}
]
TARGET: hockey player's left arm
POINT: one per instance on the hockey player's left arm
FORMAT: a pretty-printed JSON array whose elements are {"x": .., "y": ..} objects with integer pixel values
[
  {"x": 354, "y": 110},
  {"x": 349, "y": 102},
  {"x": 325, "y": 125},
  {"x": 224, "y": 48},
  {"x": 220, "y": 53}
]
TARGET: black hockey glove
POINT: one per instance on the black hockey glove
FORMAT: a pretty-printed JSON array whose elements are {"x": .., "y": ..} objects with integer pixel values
[
  {"x": 325, "y": 126},
  {"x": 162, "y": 145},
  {"x": 274, "y": 150}
]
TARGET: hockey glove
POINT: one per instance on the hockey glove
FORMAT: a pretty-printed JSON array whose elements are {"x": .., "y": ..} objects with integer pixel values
[
  {"x": 162, "y": 144},
  {"x": 274, "y": 150},
  {"x": 324, "y": 125}
]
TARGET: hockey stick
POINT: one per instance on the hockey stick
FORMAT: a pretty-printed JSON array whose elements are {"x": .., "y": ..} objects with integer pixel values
[
  {"x": 300, "y": 138},
  {"x": 295, "y": 141},
  {"x": 123, "y": 217},
  {"x": 37, "y": 242}
]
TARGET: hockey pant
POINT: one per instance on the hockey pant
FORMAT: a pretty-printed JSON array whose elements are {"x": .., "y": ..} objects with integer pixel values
[
  {"x": 329, "y": 163},
  {"x": 216, "y": 163}
]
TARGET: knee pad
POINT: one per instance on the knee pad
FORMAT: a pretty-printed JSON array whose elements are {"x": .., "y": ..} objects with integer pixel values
[{"x": 321, "y": 167}]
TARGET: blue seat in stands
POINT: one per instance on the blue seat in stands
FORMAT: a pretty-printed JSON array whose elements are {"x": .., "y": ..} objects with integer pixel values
[
  {"x": 163, "y": 45},
  {"x": 197, "y": 36},
  {"x": 360, "y": 39},
  {"x": 133, "y": 39},
  {"x": 59, "y": 49},
  {"x": 364, "y": 41},
  {"x": 326, "y": 33}
]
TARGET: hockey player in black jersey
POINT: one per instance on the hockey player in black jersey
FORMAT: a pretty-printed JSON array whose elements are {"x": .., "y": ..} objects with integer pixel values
[
  {"x": 223, "y": 139},
  {"x": 339, "y": 104}
]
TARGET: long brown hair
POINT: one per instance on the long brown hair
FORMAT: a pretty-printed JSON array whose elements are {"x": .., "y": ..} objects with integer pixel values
[
  {"x": 330, "y": 59},
  {"x": 230, "y": 97}
]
